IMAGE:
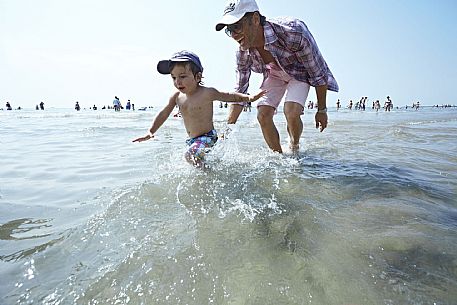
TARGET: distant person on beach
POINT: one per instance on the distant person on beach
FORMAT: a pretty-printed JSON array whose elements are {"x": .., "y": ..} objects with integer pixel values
[
  {"x": 77, "y": 107},
  {"x": 116, "y": 104},
  {"x": 388, "y": 105},
  {"x": 377, "y": 105},
  {"x": 8, "y": 106},
  {"x": 41, "y": 105},
  {"x": 195, "y": 103},
  {"x": 128, "y": 105},
  {"x": 285, "y": 51}
]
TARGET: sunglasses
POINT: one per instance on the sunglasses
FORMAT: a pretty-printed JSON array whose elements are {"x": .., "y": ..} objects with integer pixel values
[
  {"x": 236, "y": 28},
  {"x": 233, "y": 28}
]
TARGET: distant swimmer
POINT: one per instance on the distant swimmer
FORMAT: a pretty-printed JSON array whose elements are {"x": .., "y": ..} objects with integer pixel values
[
  {"x": 8, "y": 106},
  {"x": 77, "y": 107},
  {"x": 195, "y": 103}
]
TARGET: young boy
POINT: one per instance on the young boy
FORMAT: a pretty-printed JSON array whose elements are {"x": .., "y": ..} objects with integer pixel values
[{"x": 195, "y": 103}]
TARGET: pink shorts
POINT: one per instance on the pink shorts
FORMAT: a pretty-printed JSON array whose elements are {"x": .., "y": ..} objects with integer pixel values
[{"x": 277, "y": 84}]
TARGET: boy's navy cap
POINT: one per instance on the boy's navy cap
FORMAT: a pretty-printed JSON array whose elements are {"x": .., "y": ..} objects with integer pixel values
[
  {"x": 235, "y": 10},
  {"x": 164, "y": 65}
]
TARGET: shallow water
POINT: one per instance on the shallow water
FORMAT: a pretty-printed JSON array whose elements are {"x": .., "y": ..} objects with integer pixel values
[{"x": 366, "y": 213}]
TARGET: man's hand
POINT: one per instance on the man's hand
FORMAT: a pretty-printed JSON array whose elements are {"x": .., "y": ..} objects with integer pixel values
[{"x": 321, "y": 120}]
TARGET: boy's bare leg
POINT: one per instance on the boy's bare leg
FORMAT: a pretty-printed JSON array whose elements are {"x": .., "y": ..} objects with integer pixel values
[{"x": 192, "y": 159}]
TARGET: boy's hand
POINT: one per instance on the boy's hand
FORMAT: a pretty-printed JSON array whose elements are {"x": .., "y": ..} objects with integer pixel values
[
  {"x": 145, "y": 138},
  {"x": 257, "y": 96}
]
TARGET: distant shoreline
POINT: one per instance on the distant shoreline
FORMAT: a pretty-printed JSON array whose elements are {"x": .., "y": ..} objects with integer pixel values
[{"x": 149, "y": 108}]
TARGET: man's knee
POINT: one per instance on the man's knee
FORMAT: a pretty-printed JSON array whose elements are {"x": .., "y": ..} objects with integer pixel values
[
  {"x": 265, "y": 117},
  {"x": 293, "y": 110}
]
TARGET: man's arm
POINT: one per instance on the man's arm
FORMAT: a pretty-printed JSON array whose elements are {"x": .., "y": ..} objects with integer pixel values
[
  {"x": 321, "y": 114},
  {"x": 243, "y": 74}
]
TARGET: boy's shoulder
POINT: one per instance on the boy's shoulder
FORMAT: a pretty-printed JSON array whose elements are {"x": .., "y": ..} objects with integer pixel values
[
  {"x": 209, "y": 89},
  {"x": 211, "y": 92}
]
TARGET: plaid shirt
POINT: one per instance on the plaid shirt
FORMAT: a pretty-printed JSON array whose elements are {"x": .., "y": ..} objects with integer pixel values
[{"x": 295, "y": 51}]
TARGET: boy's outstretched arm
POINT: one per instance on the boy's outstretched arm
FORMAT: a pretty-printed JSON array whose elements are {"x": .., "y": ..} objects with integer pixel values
[
  {"x": 236, "y": 96},
  {"x": 255, "y": 97},
  {"x": 160, "y": 118}
]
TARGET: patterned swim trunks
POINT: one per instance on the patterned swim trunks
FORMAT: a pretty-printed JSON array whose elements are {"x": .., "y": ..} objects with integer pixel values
[{"x": 199, "y": 145}]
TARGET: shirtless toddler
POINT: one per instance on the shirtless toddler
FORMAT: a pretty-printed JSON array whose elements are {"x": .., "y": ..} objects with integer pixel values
[{"x": 195, "y": 103}]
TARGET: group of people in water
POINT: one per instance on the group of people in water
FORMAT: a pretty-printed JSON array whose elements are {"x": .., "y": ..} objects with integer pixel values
[
  {"x": 9, "y": 107},
  {"x": 362, "y": 104},
  {"x": 376, "y": 104},
  {"x": 117, "y": 106}
]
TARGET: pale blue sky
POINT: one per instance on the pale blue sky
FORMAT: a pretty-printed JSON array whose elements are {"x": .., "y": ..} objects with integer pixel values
[{"x": 61, "y": 51}]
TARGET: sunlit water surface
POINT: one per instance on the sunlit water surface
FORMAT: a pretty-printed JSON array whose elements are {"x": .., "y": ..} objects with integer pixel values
[{"x": 366, "y": 213}]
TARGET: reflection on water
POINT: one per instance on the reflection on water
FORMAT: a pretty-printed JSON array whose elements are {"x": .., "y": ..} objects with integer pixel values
[
  {"x": 18, "y": 227},
  {"x": 28, "y": 230}
]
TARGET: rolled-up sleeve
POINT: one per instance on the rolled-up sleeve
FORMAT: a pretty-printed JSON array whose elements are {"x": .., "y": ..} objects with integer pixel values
[{"x": 312, "y": 60}]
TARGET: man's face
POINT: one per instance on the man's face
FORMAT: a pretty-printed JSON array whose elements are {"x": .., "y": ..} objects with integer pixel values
[{"x": 243, "y": 32}]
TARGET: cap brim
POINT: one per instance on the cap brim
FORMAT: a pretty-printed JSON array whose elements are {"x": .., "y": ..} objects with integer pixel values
[
  {"x": 220, "y": 26},
  {"x": 163, "y": 67},
  {"x": 226, "y": 20}
]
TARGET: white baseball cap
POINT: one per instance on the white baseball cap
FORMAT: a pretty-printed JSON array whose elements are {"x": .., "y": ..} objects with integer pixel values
[{"x": 235, "y": 10}]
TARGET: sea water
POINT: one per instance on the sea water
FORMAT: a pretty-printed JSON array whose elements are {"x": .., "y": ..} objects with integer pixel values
[{"x": 366, "y": 213}]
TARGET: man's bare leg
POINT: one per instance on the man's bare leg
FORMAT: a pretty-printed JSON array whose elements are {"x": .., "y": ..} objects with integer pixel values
[
  {"x": 270, "y": 133},
  {"x": 293, "y": 111},
  {"x": 234, "y": 113}
]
